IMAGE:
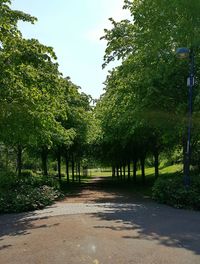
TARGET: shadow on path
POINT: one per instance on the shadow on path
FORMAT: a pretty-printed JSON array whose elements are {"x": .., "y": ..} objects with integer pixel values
[
  {"x": 103, "y": 190},
  {"x": 134, "y": 216},
  {"x": 151, "y": 221},
  {"x": 138, "y": 217},
  {"x": 19, "y": 224}
]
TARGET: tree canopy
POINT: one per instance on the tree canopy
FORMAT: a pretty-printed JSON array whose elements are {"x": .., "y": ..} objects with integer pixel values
[{"x": 144, "y": 108}]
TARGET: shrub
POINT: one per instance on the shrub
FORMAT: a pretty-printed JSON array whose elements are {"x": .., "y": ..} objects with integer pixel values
[
  {"x": 26, "y": 198},
  {"x": 37, "y": 180},
  {"x": 169, "y": 189},
  {"x": 26, "y": 193},
  {"x": 7, "y": 179}
]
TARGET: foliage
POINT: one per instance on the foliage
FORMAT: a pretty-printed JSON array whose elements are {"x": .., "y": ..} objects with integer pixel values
[
  {"x": 7, "y": 180},
  {"x": 143, "y": 111},
  {"x": 141, "y": 114},
  {"x": 26, "y": 198},
  {"x": 169, "y": 189},
  {"x": 30, "y": 192},
  {"x": 9, "y": 20},
  {"x": 41, "y": 113}
]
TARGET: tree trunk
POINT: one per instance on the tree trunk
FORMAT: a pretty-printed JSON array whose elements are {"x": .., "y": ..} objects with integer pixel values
[
  {"x": 134, "y": 170},
  {"x": 67, "y": 167},
  {"x": 19, "y": 160},
  {"x": 76, "y": 166},
  {"x": 113, "y": 171},
  {"x": 120, "y": 172},
  {"x": 129, "y": 171},
  {"x": 156, "y": 163},
  {"x": 73, "y": 165},
  {"x": 117, "y": 172},
  {"x": 79, "y": 172},
  {"x": 44, "y": 161},
  {"x": 124, "y": 172},
  {"x": 59, "y": 164},
  {"x": 142, "y": 162}
]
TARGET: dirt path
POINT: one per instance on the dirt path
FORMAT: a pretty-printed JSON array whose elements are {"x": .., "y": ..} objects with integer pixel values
[
  {"x": 94, "y": 191},
  {"x": 98, "y": 225},
  {"x": 100, "y": 190}
]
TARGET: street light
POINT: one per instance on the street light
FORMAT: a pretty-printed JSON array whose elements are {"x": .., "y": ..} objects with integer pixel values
[{"x": 185, "y": 53}]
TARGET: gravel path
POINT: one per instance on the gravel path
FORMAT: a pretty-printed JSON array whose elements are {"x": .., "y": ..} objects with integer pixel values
[{"x": 99, "y": 226}]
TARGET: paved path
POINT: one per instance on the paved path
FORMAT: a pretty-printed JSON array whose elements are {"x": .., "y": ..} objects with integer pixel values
[{"x": 100, "y": 226}]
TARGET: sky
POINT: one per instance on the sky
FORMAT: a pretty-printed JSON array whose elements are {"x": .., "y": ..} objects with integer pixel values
[{"x": 73, "y": 28}]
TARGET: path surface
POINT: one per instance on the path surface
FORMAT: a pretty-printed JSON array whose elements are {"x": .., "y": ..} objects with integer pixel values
[{"x": 100, "y": 226}]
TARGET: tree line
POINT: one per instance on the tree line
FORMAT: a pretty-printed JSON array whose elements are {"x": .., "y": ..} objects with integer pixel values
[
  {"x": 144, "y": 110},
  {"x": 142, "y": 113},
  {"x": 41, "y": 112}
]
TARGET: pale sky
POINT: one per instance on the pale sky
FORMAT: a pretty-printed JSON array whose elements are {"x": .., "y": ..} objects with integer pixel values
[{"x": 73, "y": 29}]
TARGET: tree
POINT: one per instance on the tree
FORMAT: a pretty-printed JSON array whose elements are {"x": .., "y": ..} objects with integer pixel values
[
  {"x": 40, "y": 109},
  {"x": 146, "y": 91},
  {"x": 31, "y": 96},
  {"x": 9, "y": 20}
]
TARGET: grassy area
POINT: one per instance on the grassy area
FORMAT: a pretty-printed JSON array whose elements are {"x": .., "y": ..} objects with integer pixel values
[
  {"x": 138, "y": 187},
  {"x": 100, "y": 172},
  {"x": 106, "y": 172},
  {"x": 172, "y": 169},
  {"x": 69, "y": 188},
  {"x": 32, "y": 191}
]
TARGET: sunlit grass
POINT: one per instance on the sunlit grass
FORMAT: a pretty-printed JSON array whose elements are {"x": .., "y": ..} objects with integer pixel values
[
  {"x": 137, "y": 188},
  {"x": 172, "y": 169},
  {"x": 100, "y": 172},
  {"x": 106, "y": 172}
]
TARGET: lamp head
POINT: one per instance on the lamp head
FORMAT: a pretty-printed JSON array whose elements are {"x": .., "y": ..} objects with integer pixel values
[{"x": 183, "y": 53}]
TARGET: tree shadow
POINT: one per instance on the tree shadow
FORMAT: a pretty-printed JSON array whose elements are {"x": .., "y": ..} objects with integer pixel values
[
  {"x": 129, "y": 210},
  {"x": 20, "y": 224},
  {"x": 133, "y": 215},
  {"x": 150, "y": 221},
  {"x": 5, "y": 246},
  {"x": 108, "y": 188}
]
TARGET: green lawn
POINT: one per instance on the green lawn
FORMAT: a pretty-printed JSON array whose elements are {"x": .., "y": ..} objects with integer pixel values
[
  {"x": 106, "y": 172},
  {"x": 165, "y": 170},
  {"x": 135, "y": 188}
]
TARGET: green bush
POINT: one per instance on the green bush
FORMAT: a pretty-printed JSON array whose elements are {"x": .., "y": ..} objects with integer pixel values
[
  {"x": 169, "y": 189},
  {"x": 37, "y": 180},
  {"x": 7, "y": 179},
  {"x": 26, "y": 198},
  {"x": 29, "y": 192}
]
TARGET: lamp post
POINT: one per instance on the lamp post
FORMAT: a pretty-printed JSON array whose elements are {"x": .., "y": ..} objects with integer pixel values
[{"x": 185, "y": 53}]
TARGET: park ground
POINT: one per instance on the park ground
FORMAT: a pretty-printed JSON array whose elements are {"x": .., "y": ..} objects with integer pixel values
[{"x": 100, "y": 224}]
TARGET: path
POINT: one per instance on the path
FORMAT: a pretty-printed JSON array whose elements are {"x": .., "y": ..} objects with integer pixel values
[{"x": 100, "y": 226}]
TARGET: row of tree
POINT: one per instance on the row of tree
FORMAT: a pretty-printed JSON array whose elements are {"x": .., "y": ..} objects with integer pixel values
[
  {"x": 40, "y": 111},
  {"x": 143, "y": 111}
]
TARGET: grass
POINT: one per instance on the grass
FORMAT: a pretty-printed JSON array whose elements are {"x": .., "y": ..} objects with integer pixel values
[
  {"x": 69, "y": 188},
  {"x": 100, "y": 172},
  {"x": 138, "y": 188},
  {"x": 172, "y": 169},
  {"x": 106, "y": 172},
  {"x": 30, "y": 196}
]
